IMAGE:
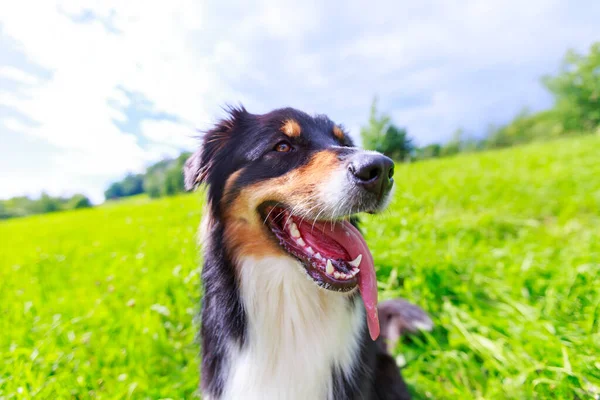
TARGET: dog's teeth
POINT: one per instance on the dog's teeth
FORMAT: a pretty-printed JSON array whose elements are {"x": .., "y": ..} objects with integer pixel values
[
  {"x": 301, "y": 242},
  {"x": 318, "y": 256},
  {"x": 309, "y": 250},
  {"x": 354, "y": 271},
  {"x": 329, "y": 268},
  {"x": 347, "y": 276},
  {"x": 356, "y": 261},
  {"x": 294, "y": 230},
  {"x": 336, "y": 275}
]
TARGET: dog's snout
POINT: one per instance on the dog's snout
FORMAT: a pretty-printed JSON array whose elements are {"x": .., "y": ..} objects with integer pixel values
[{"x": 372, "y": 171}]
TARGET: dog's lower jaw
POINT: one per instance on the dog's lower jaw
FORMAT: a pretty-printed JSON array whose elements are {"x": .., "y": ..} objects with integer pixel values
[{"x": 299, "y": 336}]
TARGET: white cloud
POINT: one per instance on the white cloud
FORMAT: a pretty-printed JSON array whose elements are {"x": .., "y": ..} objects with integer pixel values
[
  {"x": 169, "y": 133},
  {"x": 74, "y": 109},
  {"x": 14, "y": 125},
  {"x": 18, "y": 75}
]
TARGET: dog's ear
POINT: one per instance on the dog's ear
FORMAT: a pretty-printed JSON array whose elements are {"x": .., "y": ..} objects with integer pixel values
[
  {"x": 192, "y": 170},
  {"x": 199, "y": 164}
]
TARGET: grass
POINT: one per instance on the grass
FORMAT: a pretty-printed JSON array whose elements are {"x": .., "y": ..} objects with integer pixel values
[{"x": 502, "y": 248}]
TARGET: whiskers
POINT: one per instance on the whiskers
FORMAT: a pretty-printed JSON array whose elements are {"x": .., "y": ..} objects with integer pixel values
[
  {"x": 315, "y": 207},
  {"x": 270, "y": 211}
]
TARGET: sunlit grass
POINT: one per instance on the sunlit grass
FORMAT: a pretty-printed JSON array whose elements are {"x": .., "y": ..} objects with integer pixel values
[{"x": 502, "y": 248}]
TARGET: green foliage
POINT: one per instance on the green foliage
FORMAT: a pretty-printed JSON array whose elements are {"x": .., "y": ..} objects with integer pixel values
[
  {"x": 165, "y": 178},
  {"x": 78, "y": 201},
  {"x": 382, "y": 135},
  {"x": 527, "y": 127},
  {"x": 576, "y": 89},
  {"x": 22, "y": 206},
  {"x": 454, "y": 145},
  {"x": 430, "y": 151},
  {"x": 155, "y": 177},
  {"x": 502, "y": 248},
  {"x": 373, "y": 133},
  {"x": 396, "y": 144},
  {"x": 45, "y": 204},
  {"x": 114, "y": 191},
  {"x": 130, "y": 186}
]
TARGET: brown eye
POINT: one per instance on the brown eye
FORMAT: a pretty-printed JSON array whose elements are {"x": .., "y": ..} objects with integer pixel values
[{"x": 283, "y": 147}]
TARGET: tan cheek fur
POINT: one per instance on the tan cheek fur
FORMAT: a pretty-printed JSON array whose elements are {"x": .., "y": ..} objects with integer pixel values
[{"x": 245, "y": 232}]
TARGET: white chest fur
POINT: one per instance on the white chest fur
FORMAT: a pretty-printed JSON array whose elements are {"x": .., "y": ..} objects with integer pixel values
[{"x": 297, "y": 334}]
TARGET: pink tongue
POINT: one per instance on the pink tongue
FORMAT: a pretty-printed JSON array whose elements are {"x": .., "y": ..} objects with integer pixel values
[{"x": 350, "y": 238}]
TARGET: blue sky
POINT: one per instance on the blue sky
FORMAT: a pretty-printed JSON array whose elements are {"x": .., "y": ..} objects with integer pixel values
[{"x": 91, "y": 90}]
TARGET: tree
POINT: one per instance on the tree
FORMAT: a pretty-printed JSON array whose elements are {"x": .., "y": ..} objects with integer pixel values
[
  {"x": 526, "y": 127},
  {"x": 453, "y": 146},
  {"x": 132, "y": 185},
  {"x": 155, "y": 177},
  {"x": 396, "y": 144},
  {"x": 114, "y": 191},
  {"x": 576, "y": 89},
  {"x": 165, "y": 178},
  {"x": 382, "y": 135},
  {"x": 45, "y": 204},
  {"x": 430, "y": 151},
  {"x": 372, "y": 135},
  {"x": 78, "y": 201},
  {"x": 171, "y": 181},
  {"x": 129, "y": 186},
  {"x": 4, "y": 213}
]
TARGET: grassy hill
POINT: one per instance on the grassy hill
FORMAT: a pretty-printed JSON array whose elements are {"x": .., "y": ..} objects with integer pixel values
[{"x": 502, "y": 248}]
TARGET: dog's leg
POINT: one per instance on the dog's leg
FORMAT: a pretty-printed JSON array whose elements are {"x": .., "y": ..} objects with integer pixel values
[{"x": 398, "y": 317}]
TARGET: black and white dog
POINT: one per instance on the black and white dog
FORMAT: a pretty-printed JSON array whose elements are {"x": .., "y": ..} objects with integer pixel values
[{"x": 290, "y": 293}]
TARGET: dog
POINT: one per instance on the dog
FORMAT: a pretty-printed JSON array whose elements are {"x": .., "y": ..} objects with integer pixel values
[{"x": 289, "y": 307}]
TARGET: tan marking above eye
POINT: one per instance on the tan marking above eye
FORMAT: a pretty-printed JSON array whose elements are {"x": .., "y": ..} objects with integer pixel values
[
  {"x": 291, "y": 128},
  {"x": 338, "y": 132}
]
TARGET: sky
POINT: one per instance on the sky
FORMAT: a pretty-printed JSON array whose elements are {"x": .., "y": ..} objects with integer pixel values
[{"x": 93, "y": 90}]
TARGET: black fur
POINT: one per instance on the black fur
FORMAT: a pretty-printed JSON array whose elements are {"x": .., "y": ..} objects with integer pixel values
[
  {"x": 241, "y": 140},
  {"x": 223, "y": 317}
]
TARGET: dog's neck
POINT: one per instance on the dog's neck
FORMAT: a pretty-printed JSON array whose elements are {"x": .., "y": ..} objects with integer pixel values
[
  {"x": 299, "y": 335},
  {"x": 299, "y": 338}
]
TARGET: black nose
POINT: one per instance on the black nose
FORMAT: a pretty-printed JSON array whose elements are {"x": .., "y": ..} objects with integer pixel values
[{"x": 374, "y": 172}]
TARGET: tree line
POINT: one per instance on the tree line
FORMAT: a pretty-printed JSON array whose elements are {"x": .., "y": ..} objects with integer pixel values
[
  {"x": 165, "y": 178},
  {"x": 22, "y": 206}
]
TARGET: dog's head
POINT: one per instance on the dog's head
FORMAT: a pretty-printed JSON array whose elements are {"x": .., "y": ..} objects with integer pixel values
[{"x": 286, "y": 183}]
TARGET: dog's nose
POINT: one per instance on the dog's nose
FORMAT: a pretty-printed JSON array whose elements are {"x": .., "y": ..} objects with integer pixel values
[{"x": 372, "y": 171}]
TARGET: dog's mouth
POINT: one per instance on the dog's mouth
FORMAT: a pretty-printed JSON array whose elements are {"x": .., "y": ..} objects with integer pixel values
[{"x": 333, "y": 253}]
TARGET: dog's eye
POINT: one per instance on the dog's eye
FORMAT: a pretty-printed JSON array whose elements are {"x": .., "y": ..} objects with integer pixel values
[{"x": 283, "y": 147}]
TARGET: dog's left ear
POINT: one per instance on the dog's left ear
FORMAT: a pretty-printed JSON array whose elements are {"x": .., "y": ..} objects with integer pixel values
[
  {"x": 199, "y": 164},
  {"x": 192, "y": 171}
]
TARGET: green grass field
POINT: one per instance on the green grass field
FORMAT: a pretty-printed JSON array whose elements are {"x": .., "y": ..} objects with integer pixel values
[{"x": 502, "y": 248}]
